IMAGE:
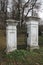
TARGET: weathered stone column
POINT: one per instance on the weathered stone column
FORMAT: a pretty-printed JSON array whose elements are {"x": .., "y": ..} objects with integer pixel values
[
  {"x": 32, "y": 32},
  {"x": 11, "y": 35}
]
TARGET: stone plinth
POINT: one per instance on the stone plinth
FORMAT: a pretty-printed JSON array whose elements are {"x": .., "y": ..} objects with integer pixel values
[
  {"x": 11, "y": 35},
  {"x": 32, "y": 33}
]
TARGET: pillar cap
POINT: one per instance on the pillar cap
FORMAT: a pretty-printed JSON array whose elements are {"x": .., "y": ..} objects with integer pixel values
[
  {"x": 11, "y": 22},
  {"x": 32, "y": 23},
  {"x": 31, "y": 18}
]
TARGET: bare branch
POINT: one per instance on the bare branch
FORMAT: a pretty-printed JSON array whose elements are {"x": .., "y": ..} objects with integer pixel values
[
  {"x": 31, "y": 8},
  {"x": 26, "y": 4},
  {"x": 23, "y": 8}
]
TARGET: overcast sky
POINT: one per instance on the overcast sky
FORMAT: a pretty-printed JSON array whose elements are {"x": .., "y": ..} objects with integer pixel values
[{"x": 40, "y": 11}]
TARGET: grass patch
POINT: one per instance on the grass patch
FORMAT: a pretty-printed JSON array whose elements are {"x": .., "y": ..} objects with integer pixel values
[{"x": 25, "y": 57}]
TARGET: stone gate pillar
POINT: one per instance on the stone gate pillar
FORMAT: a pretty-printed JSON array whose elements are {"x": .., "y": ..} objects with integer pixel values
[
  {"x": 32, "y": 32},
  {"x": 11, "y": 35}
]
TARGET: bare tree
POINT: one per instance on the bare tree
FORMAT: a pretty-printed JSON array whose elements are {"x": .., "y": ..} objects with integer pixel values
[
  {"x": 30, "y": 4},
  {"x": 9, "y": 6}
]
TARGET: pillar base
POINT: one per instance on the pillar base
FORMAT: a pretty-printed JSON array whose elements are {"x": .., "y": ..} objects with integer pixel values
[
  {"x": 10, "y": 50},
  {"x": 32, "y": 47}
]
